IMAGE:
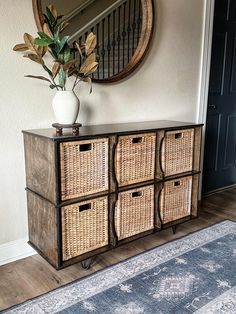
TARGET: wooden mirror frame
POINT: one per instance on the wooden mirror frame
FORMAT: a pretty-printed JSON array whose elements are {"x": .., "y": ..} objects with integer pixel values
[{"x": 143, "y": 45}]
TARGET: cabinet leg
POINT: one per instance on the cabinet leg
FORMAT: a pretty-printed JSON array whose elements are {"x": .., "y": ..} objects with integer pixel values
[
  {"x": 86, "y": 264},
  {"x": 174, "y": 229}
]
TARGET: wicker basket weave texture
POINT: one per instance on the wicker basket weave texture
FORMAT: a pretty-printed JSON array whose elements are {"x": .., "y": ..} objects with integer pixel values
[
  {"x": 84, "y": 168},
  {"x": 176, "y": 199},
  {"x": 134, "y": 212},
  {"x": 86, "y": 230},
  {"x": 135, "y": 158},
  {"x": 177, "y": 152}
]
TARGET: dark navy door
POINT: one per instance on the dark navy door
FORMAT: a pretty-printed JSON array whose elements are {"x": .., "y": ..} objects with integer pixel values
[{"x": 220, "y": 145}]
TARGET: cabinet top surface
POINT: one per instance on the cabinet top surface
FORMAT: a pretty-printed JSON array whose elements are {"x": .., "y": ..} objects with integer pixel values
[{"x": 109, "y": 129}]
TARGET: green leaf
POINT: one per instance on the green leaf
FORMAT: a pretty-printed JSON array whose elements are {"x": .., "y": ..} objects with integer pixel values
[
  {"x": 44, "y": 36},
  {"x": 53, "y": 10},
  {"x": 52, "y": 86},
  {"x": 62, "y": 77},
  {"x": 56, "y": 35},
  {"x": 65, "y": 54},
  {"x": 41, "y": 42},
  {"x": 63, "y": 42},
  {"x": 50, "y": 16},
  {"x": 46, "y": 20},
  {"x": 52, "y": 50}
]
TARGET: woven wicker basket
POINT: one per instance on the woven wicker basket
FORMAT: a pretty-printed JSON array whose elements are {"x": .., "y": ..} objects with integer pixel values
[
  {"x": 176, "y": 199},
  {"x": 84, "y": 227},
  {"x": 84, "y": 167},
  {"x": 134, "y": 212},
  {"x": 135, "y": 158},
  {"x": 177, "y": 152}
]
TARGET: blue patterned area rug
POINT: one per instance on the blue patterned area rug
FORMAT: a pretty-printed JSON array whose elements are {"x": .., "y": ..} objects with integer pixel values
[{"x": 194, "y": 274}]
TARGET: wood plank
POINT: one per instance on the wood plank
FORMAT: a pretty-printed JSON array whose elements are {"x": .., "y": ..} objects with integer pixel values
[
  {"x": 42, "y": 221},
  {"x": 19, "y": 281},
  {"x": 197, "y": 148},
  {"x": 89, "y": 131},
  {"x": 40, "y": 166}
]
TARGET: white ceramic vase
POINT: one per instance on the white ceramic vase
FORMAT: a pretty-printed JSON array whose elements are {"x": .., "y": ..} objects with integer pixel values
[{"x": 66, "y": 107}]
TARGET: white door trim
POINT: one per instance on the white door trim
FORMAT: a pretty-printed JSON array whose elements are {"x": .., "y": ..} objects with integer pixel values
[
  {"x": 206, "y": 59},
  {"x": 208, "y": 20}
]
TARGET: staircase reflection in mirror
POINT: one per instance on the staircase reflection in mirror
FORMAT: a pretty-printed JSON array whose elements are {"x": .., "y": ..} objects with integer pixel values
[{"x": 122, "y": 39}]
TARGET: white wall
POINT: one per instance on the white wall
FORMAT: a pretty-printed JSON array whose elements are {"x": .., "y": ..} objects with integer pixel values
[{"x": 165, "y": 87}]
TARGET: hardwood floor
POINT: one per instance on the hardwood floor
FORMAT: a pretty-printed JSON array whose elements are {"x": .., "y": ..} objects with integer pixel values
[{"x": 32, "y": 276}]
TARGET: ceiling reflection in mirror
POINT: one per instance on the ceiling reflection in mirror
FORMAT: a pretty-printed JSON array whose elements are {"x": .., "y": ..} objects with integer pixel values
[{"x": 117, "y": 25}]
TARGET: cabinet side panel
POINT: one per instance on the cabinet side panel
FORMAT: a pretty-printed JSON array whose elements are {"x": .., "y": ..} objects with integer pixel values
[
  {"x": 197, "y": 148},
  {"x": 40, "y": 166},
  {"x": 195, "y": 195},
  {"x": 43, "y": 227},
  {"x": 157, "y": 218}
]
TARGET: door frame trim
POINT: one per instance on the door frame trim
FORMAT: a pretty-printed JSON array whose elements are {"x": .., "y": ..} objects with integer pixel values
[{"x": 208, "y": 20}]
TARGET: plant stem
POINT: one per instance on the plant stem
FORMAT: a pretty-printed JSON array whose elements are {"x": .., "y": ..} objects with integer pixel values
[
  {"x": 75, "y": 83},
  {"x": 78, "y": 82},
  {"x": 51, "y": 77},
  {"x": 54, "y": 83}
]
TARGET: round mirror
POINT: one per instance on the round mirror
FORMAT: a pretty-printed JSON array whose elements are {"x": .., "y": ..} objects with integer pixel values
[{"x": 123, "y": 29}]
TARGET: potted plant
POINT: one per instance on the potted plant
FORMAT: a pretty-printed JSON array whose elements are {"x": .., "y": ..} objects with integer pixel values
[{"x": 65, "y": 102}]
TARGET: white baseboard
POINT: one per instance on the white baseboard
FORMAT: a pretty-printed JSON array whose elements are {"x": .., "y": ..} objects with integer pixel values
[{"x": 15, "y": 250}]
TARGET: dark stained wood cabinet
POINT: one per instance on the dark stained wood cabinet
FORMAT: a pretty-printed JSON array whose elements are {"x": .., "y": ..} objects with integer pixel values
[{"x": 110, "y": 184}]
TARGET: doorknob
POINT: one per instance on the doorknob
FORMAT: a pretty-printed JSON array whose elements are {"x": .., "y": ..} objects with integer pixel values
[{"x": 211, "y": 107}]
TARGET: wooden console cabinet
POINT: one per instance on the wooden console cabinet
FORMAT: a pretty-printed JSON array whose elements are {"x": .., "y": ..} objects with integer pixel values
[{"x": 110, "y": 184}]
